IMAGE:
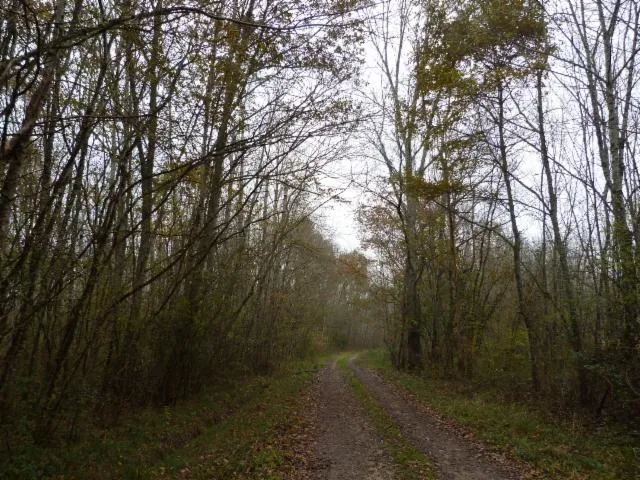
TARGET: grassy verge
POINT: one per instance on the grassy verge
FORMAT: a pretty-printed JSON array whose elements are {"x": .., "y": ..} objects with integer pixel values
[
  {"x": 560, "y": 449},
  {"x": 225, "y": 434},
  {"x": 411, "y": 463}
]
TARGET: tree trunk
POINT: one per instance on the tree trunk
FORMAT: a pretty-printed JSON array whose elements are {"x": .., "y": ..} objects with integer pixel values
[
  {"x": 517, "y": 247},
  {"x": 566, "y": 285}
]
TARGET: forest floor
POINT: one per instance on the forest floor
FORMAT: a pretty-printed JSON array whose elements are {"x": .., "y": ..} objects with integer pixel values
[{"x": 345, "y": 418}]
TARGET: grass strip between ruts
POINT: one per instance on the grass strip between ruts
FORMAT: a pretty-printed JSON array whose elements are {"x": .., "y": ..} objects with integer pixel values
[{"x": 410, "y": 462}]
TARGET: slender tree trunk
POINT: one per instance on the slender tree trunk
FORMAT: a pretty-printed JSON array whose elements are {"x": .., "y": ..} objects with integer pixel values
[
  {"x": 566, "y": 285},
  {"x": 517, "y": 248},
  {"x": 13, "y": 153}
]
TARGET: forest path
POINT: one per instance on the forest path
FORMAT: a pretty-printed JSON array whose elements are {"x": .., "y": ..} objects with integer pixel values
[
  {"x": 456, "y": 457},
  {"x": 348, "y": 447}
]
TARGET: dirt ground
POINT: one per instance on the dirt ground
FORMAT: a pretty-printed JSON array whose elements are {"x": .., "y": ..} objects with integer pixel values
[{"x": 347, "y": 447}]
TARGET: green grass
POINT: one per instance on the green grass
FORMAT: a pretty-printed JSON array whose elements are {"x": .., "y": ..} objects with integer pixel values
[
  {"x": 559, "y": 448},
  {"x": 222, "y": 434},
  {"x": 411, "y": 463}
]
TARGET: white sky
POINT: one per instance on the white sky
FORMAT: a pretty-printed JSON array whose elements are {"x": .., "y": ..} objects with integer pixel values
[
  {"x": 340, "y": 224},
  {"x": 337, "y": 218}
]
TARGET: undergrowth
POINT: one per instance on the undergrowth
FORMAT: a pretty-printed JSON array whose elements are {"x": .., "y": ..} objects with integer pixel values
[{"x": 223, "y": 434}]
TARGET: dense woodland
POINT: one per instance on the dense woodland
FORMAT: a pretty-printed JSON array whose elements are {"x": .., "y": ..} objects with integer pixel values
[
  {"x": 162, "y": 164},
  {"x": 506, "y": 231}
]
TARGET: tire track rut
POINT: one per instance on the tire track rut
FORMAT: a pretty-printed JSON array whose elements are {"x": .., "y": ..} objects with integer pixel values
[
  {"x": 348, "y": 447},
  {"x": 456, "y": 458}
]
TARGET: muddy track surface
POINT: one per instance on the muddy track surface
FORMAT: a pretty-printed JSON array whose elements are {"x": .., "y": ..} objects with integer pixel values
[
  {"x": 456, "y": 458},
  {"x": 348, "y": 447}
]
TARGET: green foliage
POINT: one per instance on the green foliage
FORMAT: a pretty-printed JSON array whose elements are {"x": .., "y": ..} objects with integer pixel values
[
  {"x": 470, "y": 47},
  {"x": 426, "y": 190},
  {"x": 496, "y": 29},
  {"x": 618, "y": 376}
]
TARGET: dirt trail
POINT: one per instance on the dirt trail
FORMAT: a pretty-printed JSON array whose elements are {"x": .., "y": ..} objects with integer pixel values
[
  {"x": 348, "y": 447},
  {"x": 456, "y": 458}
]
